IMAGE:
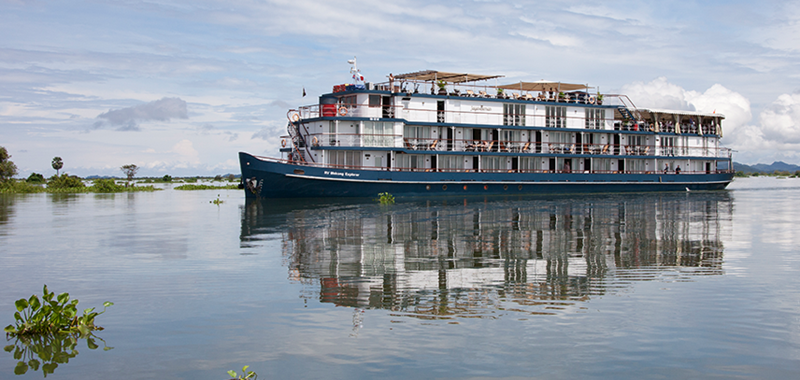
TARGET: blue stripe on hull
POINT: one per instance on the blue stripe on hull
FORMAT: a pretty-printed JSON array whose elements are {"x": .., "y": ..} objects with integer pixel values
[{"x": 281, "y": 180}]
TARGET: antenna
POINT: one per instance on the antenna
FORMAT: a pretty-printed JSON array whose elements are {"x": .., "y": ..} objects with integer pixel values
[{"x": 356, "y": 73}]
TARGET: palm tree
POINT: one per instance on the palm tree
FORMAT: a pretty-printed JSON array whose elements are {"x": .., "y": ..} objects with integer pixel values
[{"x": 57, "y": 164}]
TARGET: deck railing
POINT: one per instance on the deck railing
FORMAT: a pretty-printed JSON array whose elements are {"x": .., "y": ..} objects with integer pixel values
[
  {"x": 493, "y": 114},
  {"x": 442, "y": 146},
  {"x": 507, "y": 170}
]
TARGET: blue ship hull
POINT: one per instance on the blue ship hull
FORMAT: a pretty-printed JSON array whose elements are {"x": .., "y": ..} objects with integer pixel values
[{"x": 265, "y": 178}]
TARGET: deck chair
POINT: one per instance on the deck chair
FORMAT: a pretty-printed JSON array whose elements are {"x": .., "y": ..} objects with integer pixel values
[
  {"x": 605, "y": 149},
  {"x": 408, "y": 144},
  {"x": 489, "y": 146},
  {"x": 470, "y": 93},
  {"x": 484, "y": 94},
  {"x": 433, "y": 146},
  {"x": 525, "y": 148}
]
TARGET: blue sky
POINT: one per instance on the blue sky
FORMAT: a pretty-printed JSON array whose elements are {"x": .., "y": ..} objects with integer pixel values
[{"x": 179, "y": 87}]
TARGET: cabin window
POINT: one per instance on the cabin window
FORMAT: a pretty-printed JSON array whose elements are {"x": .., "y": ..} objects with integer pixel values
[
  {"x": 513, "y": 114},
  {"x": 555, "y": 117},
  {"x": 378, "y": 134},
  {"x": 667, "y": 146},
  {"x": 595, "y": 118},
  {"x": 348, "y": 101},
  {"x": 374, "y": 100},
  {"x": 492, "y": 163},
  {"x": 530, "y": 164},
  {"x": 450, "y": 162},
  {"x": 410, "y": 161},
  {"x": 344, "y": 158}
]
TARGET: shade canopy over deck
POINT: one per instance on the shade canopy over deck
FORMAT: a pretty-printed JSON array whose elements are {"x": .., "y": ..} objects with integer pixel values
[
  {"x": 544, "y": 85},
  {"x": 433, "y": 75}
]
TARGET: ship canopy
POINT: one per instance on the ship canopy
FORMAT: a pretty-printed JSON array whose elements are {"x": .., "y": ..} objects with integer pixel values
[
  {"x": 544, "y": 85},
  {"x": 433, "y": 75}
]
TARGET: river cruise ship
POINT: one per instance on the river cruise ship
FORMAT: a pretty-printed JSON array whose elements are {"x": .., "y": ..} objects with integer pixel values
[{"x": 434, "y": 133}]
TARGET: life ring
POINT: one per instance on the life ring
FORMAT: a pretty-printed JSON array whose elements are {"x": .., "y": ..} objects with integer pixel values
[
  {"x": 293, "y": 115},
  {"x": 315, "y": 141},
  {"x": 283, "y": 143},
  {"x": 342, "y": 111}
]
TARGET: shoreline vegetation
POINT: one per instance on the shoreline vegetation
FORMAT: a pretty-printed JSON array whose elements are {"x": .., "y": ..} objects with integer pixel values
[
  {"x": 72, "y": 184},
  {"x": 65, "y": 183},
  {"x": 776, "y": 173}
]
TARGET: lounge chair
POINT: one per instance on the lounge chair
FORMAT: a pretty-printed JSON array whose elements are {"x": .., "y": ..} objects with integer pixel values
[{"x": 525, "y": 148}]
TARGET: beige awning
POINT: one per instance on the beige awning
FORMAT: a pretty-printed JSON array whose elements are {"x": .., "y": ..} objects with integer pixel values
[
  {"x": 543, "y": 85},
  {"x": 433, "y": 75}
]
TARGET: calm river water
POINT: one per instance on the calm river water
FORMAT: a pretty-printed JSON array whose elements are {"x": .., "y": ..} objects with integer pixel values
[{"x": 668, "y": 285}]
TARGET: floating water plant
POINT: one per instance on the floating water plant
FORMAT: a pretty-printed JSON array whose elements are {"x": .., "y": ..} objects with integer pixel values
[
  {"x": 217, "y": 201},
  {"x": 246, "y": 375},
  {"x": 52, "y": 315},
  {"x": 386, "y": 198}
]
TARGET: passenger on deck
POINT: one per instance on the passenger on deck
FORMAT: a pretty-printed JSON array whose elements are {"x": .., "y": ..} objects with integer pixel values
[
  {"x": 678, "y": 170},
  {"x": 567, "y": 168},
  {"x": 666, "y": 168}
]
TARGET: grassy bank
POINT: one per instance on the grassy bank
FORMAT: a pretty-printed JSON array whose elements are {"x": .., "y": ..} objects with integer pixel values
[{"x": 207, "y": 187}]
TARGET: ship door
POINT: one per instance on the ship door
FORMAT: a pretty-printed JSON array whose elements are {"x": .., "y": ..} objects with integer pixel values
[
  {"x": 440, "y": 111},
  {"x": 621, "y": 166},
  {"x": 475, "y": 163},
  {"x": 495, "y": 138},
  {"x": 389, "y": 160},
  {"x": 587, "y": 164},
  {"x": 449, "y": 138},
  {"x": 538, "y": 142},
  {"x": 515, "y": 164},
  {"x": 616, "y": 146},
  {"x": 578, "y": 145},
  {"x": 388, "y": 111},
  {"x": 433, "y": 162},
  {"x": 552, "y": 166},
  {"x": 708, "y": 168}
]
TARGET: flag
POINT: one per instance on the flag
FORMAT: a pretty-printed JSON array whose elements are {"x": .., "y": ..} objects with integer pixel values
[{"x": 304, "y": 91}]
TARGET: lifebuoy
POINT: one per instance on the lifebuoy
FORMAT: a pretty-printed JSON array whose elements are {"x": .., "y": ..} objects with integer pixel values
[
  {"x": 342, "y": 111},
  {"x": 293, "y": 115},
  {"x": 283, "y": 143},
  {"x": 315, "y": 141}
]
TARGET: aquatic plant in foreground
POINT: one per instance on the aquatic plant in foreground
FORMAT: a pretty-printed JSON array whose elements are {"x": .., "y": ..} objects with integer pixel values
[
  {"x": 386, "y": 198},
  {"x": 246, "y": 375},
  {"x": 52, "y": 315}
]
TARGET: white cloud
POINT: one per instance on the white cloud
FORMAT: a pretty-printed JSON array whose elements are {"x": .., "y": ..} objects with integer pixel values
[
  {"x": 781, "y": 122},
  {"x": 185, "y": 150},
  {"x": 128, "y": 119}
]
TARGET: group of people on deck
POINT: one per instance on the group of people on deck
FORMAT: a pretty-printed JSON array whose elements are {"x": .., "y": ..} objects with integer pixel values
[{"x": 677, "y": 169}]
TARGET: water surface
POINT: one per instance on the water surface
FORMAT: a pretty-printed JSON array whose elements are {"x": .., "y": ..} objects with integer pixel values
[{"x": 667, "y": 285}]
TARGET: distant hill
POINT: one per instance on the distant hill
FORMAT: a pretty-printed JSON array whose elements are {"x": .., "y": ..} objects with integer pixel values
[{"x": 764, "y": 168}]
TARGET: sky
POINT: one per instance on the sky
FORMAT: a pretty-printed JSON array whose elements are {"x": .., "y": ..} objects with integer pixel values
[{"x": 180, "y": 87}]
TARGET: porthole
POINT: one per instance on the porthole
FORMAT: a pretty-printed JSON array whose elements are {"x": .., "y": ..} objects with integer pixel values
[
  {"x": 465, "y": 187},
  {"x": 486, "y": 187},
  {"x": 444, "y": 187},
  {"x": 505, "y": 187},
  {"x": 519, "y": 187},
  {"x": 427, "y": 187}
]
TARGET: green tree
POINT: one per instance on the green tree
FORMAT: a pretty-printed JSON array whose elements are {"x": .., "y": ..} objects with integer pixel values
[
  {"x": 129, "y": 170},
  {"x": 65, "y": 181},
  {"x": 35, "y": 178},
  {"x": 57, "y": 164},
  {"x": 7, "y": 168}
]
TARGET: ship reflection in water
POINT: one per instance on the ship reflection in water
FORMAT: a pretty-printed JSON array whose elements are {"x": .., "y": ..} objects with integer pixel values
[{"x": 482, "y": 258}]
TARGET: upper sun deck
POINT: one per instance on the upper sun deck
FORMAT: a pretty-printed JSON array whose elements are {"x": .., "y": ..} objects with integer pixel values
[{"x": 437, "y": 97}]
